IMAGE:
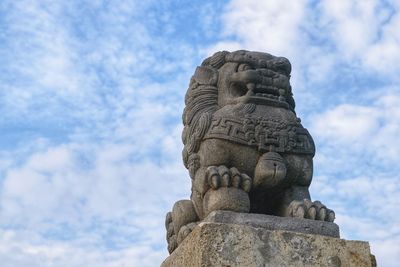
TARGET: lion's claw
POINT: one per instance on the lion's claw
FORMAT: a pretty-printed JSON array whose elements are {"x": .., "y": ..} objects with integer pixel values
[
  {"x": 310, "y": 210},
  {"x": 221, "y": 176}
]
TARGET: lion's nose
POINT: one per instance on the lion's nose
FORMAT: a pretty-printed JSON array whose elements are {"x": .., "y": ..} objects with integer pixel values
[
  {"x": 270, "y": 170},
  {"x": 248, "y": 76}
]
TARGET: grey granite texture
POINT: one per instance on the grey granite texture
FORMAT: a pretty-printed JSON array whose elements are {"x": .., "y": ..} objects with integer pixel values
[
  {"x": 269, "y": 222},
  {"x": 244, "y": 146},
  {"x": 234, "y": 245}
]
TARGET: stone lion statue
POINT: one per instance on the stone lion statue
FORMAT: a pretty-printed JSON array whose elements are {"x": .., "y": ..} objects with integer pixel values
[{"x": 244, "y": 147}]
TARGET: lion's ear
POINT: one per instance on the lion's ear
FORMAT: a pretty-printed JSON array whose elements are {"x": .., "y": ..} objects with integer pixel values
[{"x": 205, "y": 75}]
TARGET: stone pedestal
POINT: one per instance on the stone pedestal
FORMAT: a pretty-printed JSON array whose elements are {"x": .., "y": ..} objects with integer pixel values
[{"x": 234, "y": 239}]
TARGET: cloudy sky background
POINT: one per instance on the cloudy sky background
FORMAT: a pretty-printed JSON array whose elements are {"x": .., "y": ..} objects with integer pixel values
[{"x": 91, "y": 96}]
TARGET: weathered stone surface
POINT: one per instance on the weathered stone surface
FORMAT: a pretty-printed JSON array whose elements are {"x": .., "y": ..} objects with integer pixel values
[
  {"x": 234, "y": 245},
  {"x": 228, "y": 198},
  {"x": 269, "y": 222},
  {"x": 244, "y": 146}
]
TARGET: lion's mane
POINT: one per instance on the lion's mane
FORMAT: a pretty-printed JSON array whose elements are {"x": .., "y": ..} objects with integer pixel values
[{"x": 201, "y": 102}]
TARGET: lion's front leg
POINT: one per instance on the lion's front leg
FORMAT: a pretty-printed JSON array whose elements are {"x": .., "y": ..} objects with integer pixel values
[
  {"x": 220, "y": 188},
  {"x": 214, "y": 188},
  {"x": 297, "y": 203}
]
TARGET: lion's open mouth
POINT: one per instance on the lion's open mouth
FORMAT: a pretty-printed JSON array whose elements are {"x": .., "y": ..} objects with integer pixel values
[
  {"x": 271, "y": 92},
  {"x": 260, "y": 86},
  {"x": 264, "y": 94}
]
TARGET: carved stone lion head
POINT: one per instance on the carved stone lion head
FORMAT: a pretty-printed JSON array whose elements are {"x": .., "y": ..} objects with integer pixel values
[{"x": 231, "y": 78}]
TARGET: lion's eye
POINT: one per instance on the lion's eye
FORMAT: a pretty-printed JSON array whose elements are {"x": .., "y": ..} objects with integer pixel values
[{"x": 243, "y": 67}]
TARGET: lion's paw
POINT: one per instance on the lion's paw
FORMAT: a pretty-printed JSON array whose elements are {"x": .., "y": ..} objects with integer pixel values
[
  {"x": 310, "y": 210},
  {"x": 229, "y": 190},
  {"x": 221, "y": 176}
]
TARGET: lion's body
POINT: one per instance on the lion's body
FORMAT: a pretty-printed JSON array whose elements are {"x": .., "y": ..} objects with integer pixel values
[
  {"x": 228, "y": 148},
  {"x": 245, "y": 148}
]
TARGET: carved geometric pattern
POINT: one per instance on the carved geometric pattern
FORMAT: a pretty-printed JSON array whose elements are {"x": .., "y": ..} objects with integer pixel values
[{"x": 267, "y": 134}]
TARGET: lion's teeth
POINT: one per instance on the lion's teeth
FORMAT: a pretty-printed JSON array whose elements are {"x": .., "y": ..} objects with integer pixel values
[{"x": 270, "y": 96}]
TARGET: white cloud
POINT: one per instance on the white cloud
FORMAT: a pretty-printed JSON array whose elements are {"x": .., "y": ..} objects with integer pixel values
[
  {"x": 365, "y": 32},
  {"x": 346, "y": 123},
  {"x": 373, "y": 129},
  {"x": 96, "y": 196},
  {"x": 267, "y": 25},
  {"x": 45, "y": 55},
  {"x": 15, "y": 251},
  {"x": 113, "y": 202},
  {"x": 351, "y": 25},
  {"x": 97, "y": 67}
]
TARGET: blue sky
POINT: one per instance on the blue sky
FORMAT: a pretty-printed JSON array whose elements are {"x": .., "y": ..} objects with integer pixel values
[{"x": 91, "y": 97}]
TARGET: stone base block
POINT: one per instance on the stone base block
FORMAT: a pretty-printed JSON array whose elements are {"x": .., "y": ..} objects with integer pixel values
[
  {"x": 270, "y": 222},
  {"x": 229, "y": 245}
]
